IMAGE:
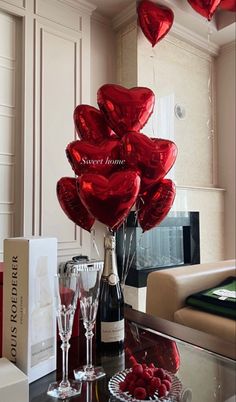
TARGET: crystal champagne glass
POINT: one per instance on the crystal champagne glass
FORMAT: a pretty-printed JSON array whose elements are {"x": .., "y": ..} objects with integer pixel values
[
  {"x": 66, "y": 297},
  {"x": 89, "y": 278}
]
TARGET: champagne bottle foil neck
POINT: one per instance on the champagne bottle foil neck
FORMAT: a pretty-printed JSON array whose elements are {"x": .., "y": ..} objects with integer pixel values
[{"x": 110, "y": 242}]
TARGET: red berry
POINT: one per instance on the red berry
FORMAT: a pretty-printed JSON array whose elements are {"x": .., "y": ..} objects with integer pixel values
[
  {"x": 129, "y": 377},
  {"x": 123, "y": 386},
  {"x": 160, "y": 372},
  {"x": 144, "y": 365},
  {"x": 131, "y": 387},
  {"x": 162, "y": 391},
  {"x": 132, "y": 360},
  {"x": 150, "y": 390},
  {"x": 138, "y": 369},
  {"x": 151, "y": 365},
  {"x": 167, "y": 384},
  {"x": 140, "y": 383},
  {"x": 168, "y": 377},
  {"x": 147, "y": 374},
  {"x": 155, "y": 383},
  {"x": 140, "y": 393}
]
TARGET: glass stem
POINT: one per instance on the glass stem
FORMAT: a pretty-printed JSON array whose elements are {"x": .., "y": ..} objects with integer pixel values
[
  {"x": 89, "y": 346},
  {"x": 65, "y": 349}
]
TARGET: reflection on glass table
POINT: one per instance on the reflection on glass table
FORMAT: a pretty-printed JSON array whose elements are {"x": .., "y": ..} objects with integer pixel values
[{"x": 203, "y": 364}]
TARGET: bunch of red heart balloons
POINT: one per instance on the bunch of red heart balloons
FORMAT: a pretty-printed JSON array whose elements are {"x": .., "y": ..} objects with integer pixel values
[{"x": 115, "y": 165}]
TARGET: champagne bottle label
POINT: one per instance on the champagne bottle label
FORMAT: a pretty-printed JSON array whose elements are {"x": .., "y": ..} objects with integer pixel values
[{"x": 112, "y": 331}]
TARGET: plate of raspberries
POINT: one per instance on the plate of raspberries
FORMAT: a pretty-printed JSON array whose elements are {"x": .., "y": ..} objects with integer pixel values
[{"x": 145, "y": 382}]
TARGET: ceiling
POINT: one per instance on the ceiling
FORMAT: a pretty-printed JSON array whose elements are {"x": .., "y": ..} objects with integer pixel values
[{"x": 222, "y": 26}]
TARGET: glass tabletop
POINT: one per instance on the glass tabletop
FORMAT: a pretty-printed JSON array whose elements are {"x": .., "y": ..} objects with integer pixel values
[{"x": 202, "y": 364}]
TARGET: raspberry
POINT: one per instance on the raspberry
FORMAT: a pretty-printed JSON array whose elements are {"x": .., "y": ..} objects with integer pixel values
[
  {"x": 140, "y": 383},
  {"x": 123, "y": 386},
  {"x": 129, "y": 377},
  {"x": 133, "y": 361},
  {"x": 162, "y": 391},
  {"x": 159, "y": 372},
  {"x": 155, "y": 382},
  {"x": 167, "y": 384},
  {"x": 140, "y": 393},
  {"x": 147, "y": 374},
  {"x": 131, "y": 387},
  {"x": 151, "y": 365},
  {"x": 150, "y": 390},
  {"x": 138, "y": 370},
  {"x": 168, "y": 377},
  {"x": 144, "y": 365}
]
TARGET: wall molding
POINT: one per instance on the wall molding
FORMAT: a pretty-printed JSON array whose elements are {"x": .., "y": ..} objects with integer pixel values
[
  {"x": 229, "y": 47},
  {"x": 98, "y": 17},
  {"x": 81, "y": 5},
  {"x": 125, "y": 16},
  {"x": 178, "y": 30},
  {"x": 193, "y": 38}
]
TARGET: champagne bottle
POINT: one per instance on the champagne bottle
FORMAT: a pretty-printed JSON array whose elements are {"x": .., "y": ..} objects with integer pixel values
[{"x": 111, "y": 304}]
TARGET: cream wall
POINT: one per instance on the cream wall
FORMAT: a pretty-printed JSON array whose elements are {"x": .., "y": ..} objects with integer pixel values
[
  {"x": 187, "y": 73},
  {"x": 102, "y": 55},
  {"x": 226, "y": 144}
]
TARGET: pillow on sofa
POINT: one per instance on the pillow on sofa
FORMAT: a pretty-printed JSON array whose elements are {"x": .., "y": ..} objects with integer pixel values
[{"x": 220, "y": 300}]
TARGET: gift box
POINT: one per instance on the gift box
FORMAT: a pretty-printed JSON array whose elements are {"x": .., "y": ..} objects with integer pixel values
[
  {"x": 13, "y": 383},
  {"x": 29, "y": 319},
  {"x": 1, "y": 303}
]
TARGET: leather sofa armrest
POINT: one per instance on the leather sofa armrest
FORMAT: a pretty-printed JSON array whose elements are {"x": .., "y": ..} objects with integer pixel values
[{"x": 167, "y": 289}]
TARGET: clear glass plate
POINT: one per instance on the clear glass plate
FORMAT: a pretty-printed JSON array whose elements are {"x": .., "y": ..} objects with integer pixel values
[{"x": 114, "y": 389}]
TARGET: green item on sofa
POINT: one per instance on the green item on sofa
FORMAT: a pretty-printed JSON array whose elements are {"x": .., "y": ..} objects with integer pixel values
[{"x": 219, "y": 300}]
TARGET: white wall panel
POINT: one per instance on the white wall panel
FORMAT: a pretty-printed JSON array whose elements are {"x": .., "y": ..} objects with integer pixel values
[
  {"x": 6, "y": 225},
  {"x": 7, "y": 31},
  {"x": 7, "y": 85},
  {"x": 64, "y": 15},
  {"x": 7, "y": 137},
  {"x": 58, "y": 82},
  {"x": 7, "y": 126},
  {"x": 53, "y": 39},
  {"x": 18, "y": 3},
  {"x": 7, "y": 183}
]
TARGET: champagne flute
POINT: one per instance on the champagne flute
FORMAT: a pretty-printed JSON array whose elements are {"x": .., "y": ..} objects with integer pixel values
[
  {"x": 66, "y": 297},
  {"x": 89, "y": 278}
]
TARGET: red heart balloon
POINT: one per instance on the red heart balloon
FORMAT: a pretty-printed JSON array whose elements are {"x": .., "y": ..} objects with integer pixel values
[
  {"x": 205, "y": 7},
  {"x": 125, "y": 109},
  {"x": 154, "y": 205},
  {"x": 154, "y": 20},
  {"x": 109, "y": 200},
  {"x": 69, "y": 200},
  {"x": 88, "y": 158},
  {"x": 229, "y": 5},
  {"x": 91, "y": 125},
  {"x": 154, "y": 157}
]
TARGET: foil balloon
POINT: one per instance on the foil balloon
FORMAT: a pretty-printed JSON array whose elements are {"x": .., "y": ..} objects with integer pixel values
[
  {"x": 125, "y": 109},
  {"x": 229, "y": 5},
  {"x": 154, "y": 20},
  {"x": 153, "y": 206},
  {"x": 109, "y": 200},
  {"x": 154, "y": 157},
  {"x": 69, "y": 200},
  {"x": 88, "y": 158},
  {"x": 91, "y": 125},
  {"x": 205, "y": 7}
]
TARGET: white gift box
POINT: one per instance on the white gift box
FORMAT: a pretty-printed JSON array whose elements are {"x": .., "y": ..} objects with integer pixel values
[
  {"x": 29, "y": 321},
  {"x": 13, "y": 383}
]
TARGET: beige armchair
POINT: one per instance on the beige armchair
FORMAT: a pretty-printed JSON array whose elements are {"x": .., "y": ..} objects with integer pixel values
[{"x": 168, "y": 289}]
